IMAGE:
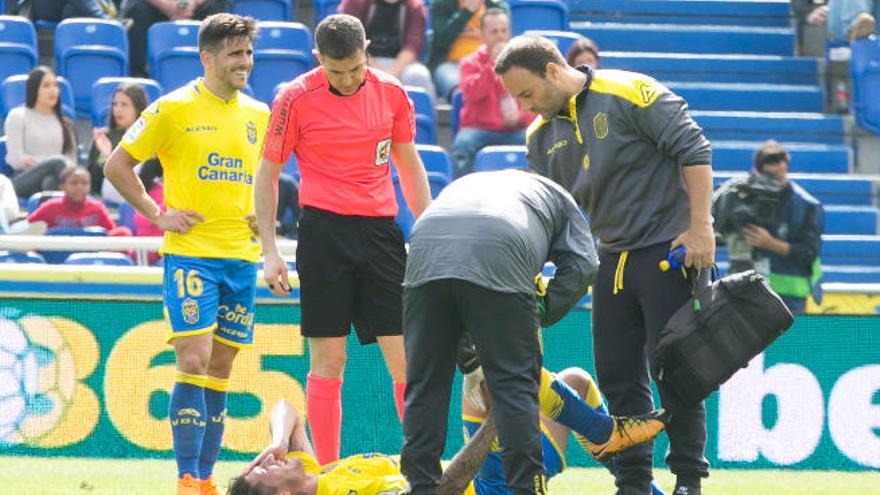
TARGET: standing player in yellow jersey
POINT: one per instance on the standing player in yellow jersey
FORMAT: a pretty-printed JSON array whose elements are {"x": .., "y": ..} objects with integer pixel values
[{"x": 208, "y": 137}]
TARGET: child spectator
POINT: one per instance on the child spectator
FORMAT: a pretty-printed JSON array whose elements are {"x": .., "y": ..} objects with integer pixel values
[
  {"x": 75, "y": 210},
  {"x": 40, "y": 141}
]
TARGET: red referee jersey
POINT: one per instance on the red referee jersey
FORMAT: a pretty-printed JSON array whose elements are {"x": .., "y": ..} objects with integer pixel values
[{"x": 342, "y": 143}]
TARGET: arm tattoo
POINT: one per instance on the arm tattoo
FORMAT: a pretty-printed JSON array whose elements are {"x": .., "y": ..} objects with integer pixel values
[{"x": 468, "y": 461}]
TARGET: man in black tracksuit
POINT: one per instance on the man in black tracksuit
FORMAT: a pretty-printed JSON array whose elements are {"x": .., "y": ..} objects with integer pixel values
[
  {"x": 632, "y": 157},
  {"x": 472, "y": 264}
]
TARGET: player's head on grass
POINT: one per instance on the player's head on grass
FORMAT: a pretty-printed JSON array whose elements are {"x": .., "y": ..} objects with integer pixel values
[
  {"x": 533, "y": 71},
  {"x": 342, "y": 51},
  {"x": 273, "y": 477},
  {"x": 226, "y": 49}
]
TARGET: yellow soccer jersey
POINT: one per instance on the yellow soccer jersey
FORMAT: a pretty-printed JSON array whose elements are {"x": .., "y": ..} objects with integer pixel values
[
  {"x": 363, "y": 474},
  {"x": 209, "y": 151}
]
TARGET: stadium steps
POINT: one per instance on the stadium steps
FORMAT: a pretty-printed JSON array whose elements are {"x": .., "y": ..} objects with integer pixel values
[
  {"x": 852, "y": 220},
  {"x": 671, "y": 38},
  {"x": 750, "y": 96},
  {"x": 805, "y": 157},
  {"x": 800, "y": 127},
  {"x": 845, "y": 274},
  {"x": 722, "y": 12},
  {"x": 830, "y": 189},
  {"x": 851, "y": 250},
  {"x": 724, "y": 68}
]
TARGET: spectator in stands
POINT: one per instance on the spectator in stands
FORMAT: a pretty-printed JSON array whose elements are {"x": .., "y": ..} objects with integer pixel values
[
  {"x": 75, "y": 210},
  {"x": 456, "y": 34},
  {"x": 40, "y": 141},
  {"x": 8, "y": 204},
  {"x": 145, "y": 13},
  {"x": 851, "y": 20},
  {"x": 489, "y": 115},
  {"x": 396, "y": 34},
  {"x": 583, "y": 52},
  {"x": 787, "y": 251},
  {"x": 57, "y": 10},
  {"x": 128, "y": 101}
]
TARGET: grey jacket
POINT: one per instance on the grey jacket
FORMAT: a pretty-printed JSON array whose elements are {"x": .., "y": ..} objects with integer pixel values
[
  {"x": 496, "y": 230},
  {"x": 618, "y": 149}
]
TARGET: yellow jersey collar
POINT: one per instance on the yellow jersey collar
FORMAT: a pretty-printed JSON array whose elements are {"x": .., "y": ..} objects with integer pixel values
[{"x": 204, "y": 91}]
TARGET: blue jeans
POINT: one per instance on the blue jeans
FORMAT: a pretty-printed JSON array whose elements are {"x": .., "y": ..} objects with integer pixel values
[
  {"x": 470, "y": 140},
  {"x": 446, "y": 78},
  {"x": 842, "y": 13}
]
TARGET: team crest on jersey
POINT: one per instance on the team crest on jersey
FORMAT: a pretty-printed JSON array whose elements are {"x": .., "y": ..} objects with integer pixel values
[
  {"x": 585, "y": 163},
  {"x": 251, "y": 132},
  {"x": 189, "y": 310},
  {"x": 383, "y": 151},
  {"x": 600, "y": 125}
]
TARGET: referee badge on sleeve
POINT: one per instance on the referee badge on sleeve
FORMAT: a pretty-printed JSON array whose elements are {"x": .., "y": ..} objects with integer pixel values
[{"x": 383, "y": 150}]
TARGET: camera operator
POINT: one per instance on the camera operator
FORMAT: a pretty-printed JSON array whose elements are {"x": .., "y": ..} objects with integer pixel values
[{"x": 773, "y": 226}]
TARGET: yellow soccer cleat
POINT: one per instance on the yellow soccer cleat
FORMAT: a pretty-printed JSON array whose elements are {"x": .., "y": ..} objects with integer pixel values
[
  {"x": 187, "y": 485},
  {"x": 208, "y": 487},
  {"x": 629, "y": 431}
]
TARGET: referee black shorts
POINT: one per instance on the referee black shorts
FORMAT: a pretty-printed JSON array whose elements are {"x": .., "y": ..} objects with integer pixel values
[{"x": 350, "y": 272}]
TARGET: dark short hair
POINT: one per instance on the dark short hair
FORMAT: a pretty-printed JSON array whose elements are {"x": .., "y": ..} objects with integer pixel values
[
  {"x": 240, "y": 486},
  {"x": 493, "y": 11},
  {"x": 770, "y": 152},
  {"x": 138, "y": 99},
  {"x": 529, "y": 52},
  {"x": 69, "y": 171},
  {"x": 340, "y": 36},
  {"x": 217, "y": 30},
  {"x": 580, "y": 46}
]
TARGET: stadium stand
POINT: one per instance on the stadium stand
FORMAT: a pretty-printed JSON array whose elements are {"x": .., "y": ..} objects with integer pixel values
[
  {"x": 500, "y": 157},
  {"x": 436, "y": 160},
  {"x": 102, "y": 94},
  {"x": 426, "y": 117},
  {"x": 173, "y": 54},
  {"x": 865, "y": 76},
  {"x": 13, "y": 91},
  {"x": 538, "y": 14},
  {"x": 282, "y": 51},
  {"x": 86, "y": 50},
  {"x": 404, "y": 217},
  {"x": 18, "y": 46},
  {"x": 98, "y": 258},
  {"x": 21, "y": 257},
  {"x": 5, "y": 169},
  {"x": 323, "y": 8},
  {"x": 265, "y": 10}
]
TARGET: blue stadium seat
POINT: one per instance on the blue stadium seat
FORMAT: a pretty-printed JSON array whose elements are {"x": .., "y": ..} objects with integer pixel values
[
  {"x": 404, "y": 217},
  {"x": 18, "y": 46},
  {"x": 38, "y": 198},
  {"x": 102, "y": 95},
  {"x": 13, "y": 89},
  {"x": 865, "y": 76},
  {"x": 500, "y": 158},
  {"x": 750, "y": 96},
  {"x": 58, "y": 257},
  {"x": 735, "y": 12},
  {"x": 323, "y": 8},
  {"x": 563, "y": 39},
  {"x": 851, "y": 250},
  {"x": 21, "y": 257},
  {"x": 126, "y": 217},
  {"x": 845, "y": 219},
  {"x": 435, "y": 159},
  {"x": 282, "y": 51},
  {"x": 805, "y": 157},
  {"x": 673, "y": 38},
  {"x": 850, "y": 274},
  {"x": 781, "y": 126},
  {"x": 173, "y": 53},
  {"x": 5, "y": 169},
  {"x": 829, "y": 189},
  {"x": 98, "y": 258},
  {"x": 725, "y": 68},
  {"x": 265, "y": 10},
  {"x": 455, "y": 111},
  {"x": 538, "y": 14},
  {"x": 426, "y": 117},
  {"x": 86, "y": 50}
]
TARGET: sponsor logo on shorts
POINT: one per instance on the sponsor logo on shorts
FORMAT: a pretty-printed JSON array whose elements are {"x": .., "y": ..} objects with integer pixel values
[{"x": 189, "y": 310}]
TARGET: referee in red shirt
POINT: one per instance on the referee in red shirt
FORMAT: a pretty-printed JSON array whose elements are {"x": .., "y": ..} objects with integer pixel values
[{"x": 343, "y": 121}]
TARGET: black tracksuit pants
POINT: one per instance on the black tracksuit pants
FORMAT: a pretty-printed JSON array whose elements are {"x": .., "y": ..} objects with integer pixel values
[
  {"x": 504, "y": 328},
  {"x": 626, "y": 326}
]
